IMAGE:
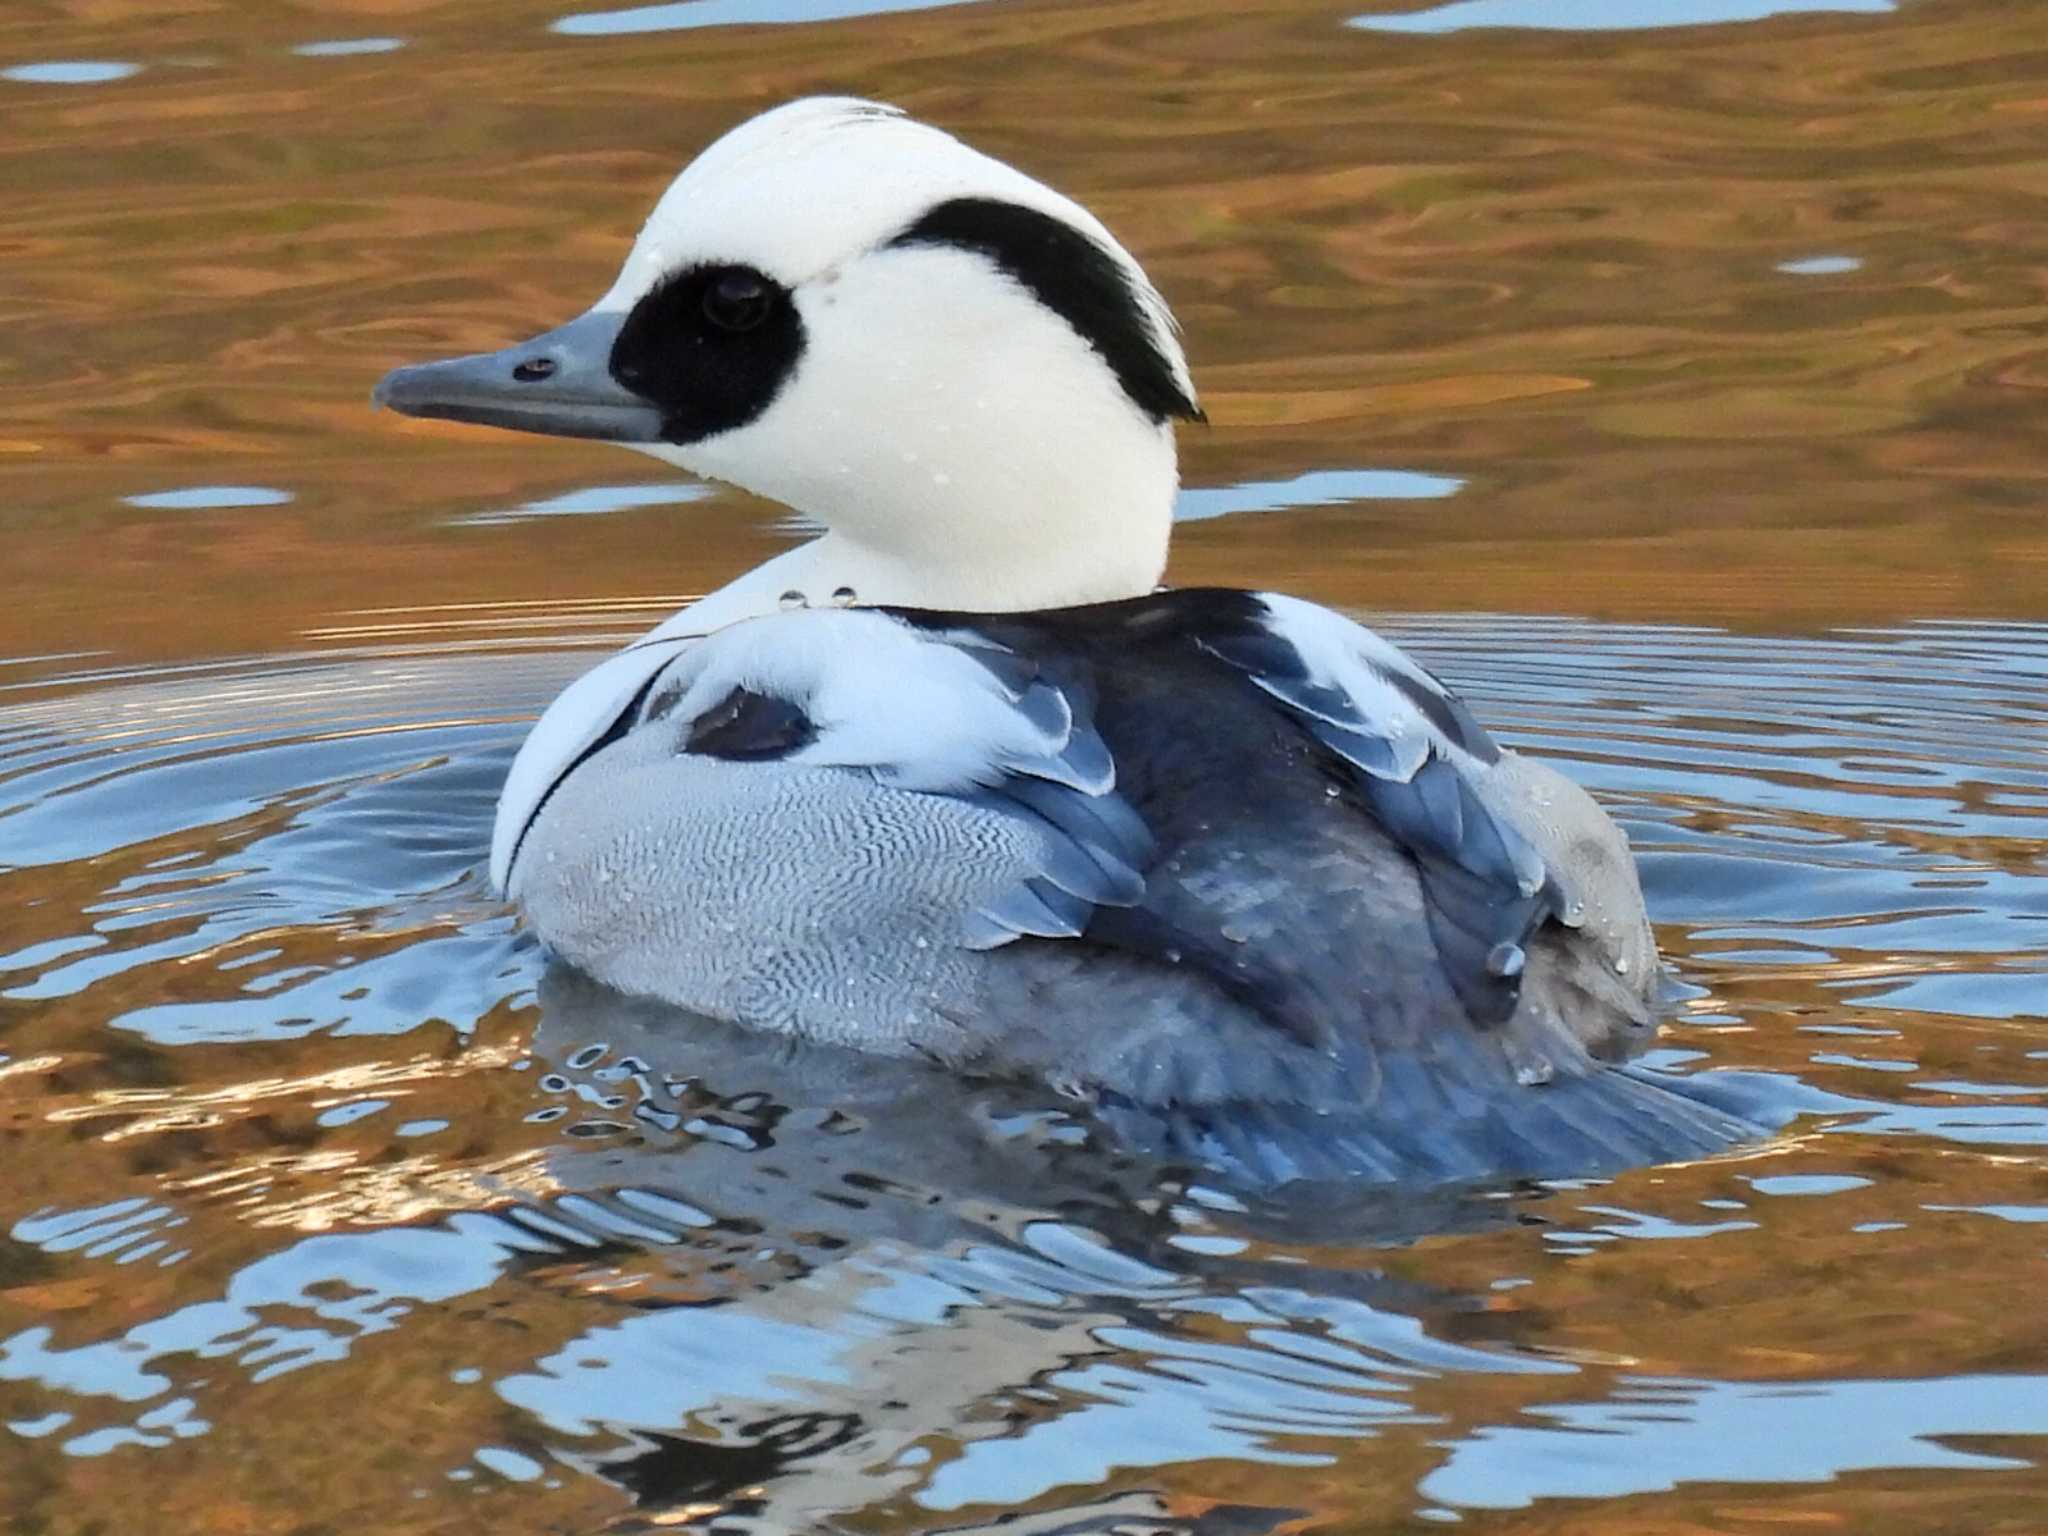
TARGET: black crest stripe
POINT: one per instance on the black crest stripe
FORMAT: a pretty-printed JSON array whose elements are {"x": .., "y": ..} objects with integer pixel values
[{"x": 1073, "y": 276}]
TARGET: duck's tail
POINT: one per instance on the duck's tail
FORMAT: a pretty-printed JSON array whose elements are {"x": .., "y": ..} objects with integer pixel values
[{"x": 1581, "y": 1126}]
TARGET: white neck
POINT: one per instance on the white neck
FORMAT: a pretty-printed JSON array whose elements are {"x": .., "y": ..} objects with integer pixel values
[
  {"x": 1041, "y": 519},
  {"x": 972, "y": 454},
  {"x": 1070, "y": 567},
  {"x": 820, "y": 574}
]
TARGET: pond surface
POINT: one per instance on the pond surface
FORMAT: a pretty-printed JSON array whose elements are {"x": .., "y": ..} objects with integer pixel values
[{"x": 1671, "y": 381}]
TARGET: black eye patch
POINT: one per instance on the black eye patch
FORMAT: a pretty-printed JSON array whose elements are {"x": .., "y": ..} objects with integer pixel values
[{"x": 710, "y": 347}]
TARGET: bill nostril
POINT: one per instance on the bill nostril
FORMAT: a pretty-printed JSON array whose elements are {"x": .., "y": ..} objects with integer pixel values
[{"x": 533, "y": 369}]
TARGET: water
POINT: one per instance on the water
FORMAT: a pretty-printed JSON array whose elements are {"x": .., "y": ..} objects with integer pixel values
[{"x": 1672, "y": 390}]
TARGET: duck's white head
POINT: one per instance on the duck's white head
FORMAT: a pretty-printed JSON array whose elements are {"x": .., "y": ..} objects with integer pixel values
[{"x": 957, "y": 371}]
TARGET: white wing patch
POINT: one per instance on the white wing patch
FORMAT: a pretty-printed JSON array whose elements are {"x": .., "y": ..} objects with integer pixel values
[
  {"x": 1378, "y": 708},
  {"x": 917, "y": 710},
  {"x": 1419, "y": 753},
  {"x": 946, "y": 714}
]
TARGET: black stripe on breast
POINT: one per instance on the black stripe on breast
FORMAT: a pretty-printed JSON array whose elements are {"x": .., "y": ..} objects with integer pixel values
[
  {"x": 1105, "y": 631},
  {"x": 624, "y": 721}
]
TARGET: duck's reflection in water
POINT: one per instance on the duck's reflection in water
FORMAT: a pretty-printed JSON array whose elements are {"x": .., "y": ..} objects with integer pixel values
[{"x": 854, "y": 1284}]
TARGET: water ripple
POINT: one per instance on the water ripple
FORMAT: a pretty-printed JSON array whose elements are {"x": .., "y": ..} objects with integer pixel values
[{"x": 370, "y": 1108}]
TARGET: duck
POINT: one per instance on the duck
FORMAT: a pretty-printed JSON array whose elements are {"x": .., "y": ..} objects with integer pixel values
[{"x": 957, "y": 780}]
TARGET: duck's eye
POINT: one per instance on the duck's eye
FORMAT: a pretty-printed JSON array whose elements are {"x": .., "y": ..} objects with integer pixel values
[{"x": 738, "y": 299}]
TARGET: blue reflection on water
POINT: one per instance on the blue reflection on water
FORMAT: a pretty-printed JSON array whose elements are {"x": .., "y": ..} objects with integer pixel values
[
  {"x": 281, "y": 852},
  {"x": 1969, "y": 1125},
  {"x": 331, "y": 1290},
  {"x": 121, "y": 1230},
  {"x": 1820, "y": 266},
  {"x": 944, "y": 1331},
  {"x": 1602, "y": 15},
  {"x": 210, "y": 497},
  {"x": 509, "y": 1464},
  {"x": 36, "y": 1428},
  {"x": 1317, "y": 488},
  {"x": 1311, "y": 1365},
  {"x": 350, "y": 1113},
  {"x": 71, "y": 72},
  {"x": 1801, "y": 1184},
  {"x": 1135, "y": 1361},
  {"x": 590, "y": 501},
  {"x": 1656, "y": 1433},
  {"x": 1894, "y": 731},
  {"x": 657, "y": 1370},
  {"x": 2019, "y": 1215},
  {"x": 731, "y": 13},
  {"x": 351, "y": 800},
  {"x": 346, "y": 47}
]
